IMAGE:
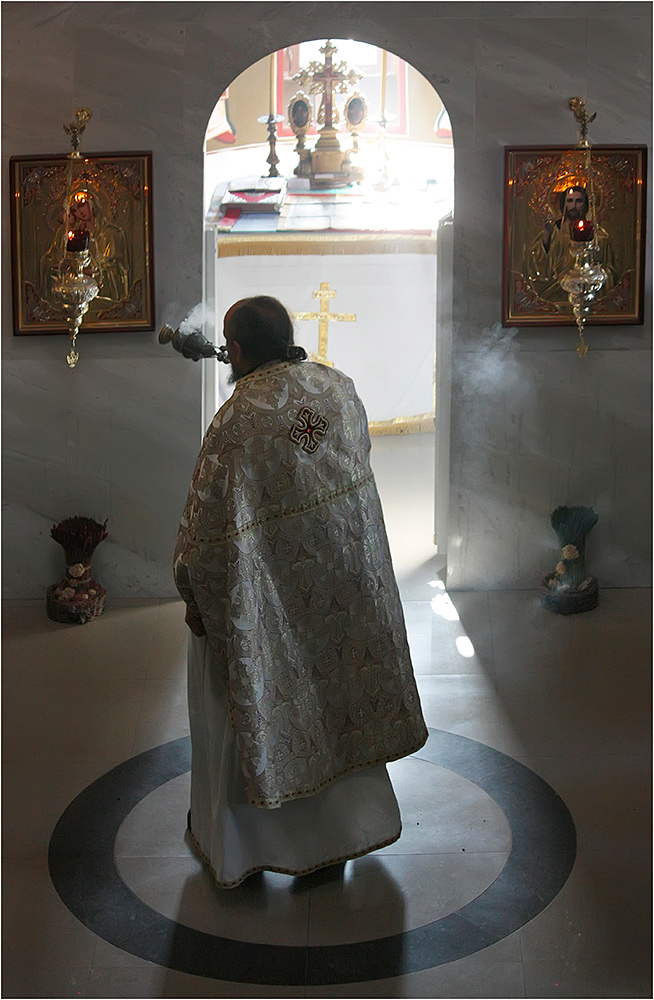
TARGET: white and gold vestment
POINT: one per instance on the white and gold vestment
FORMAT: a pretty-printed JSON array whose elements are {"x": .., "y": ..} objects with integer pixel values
[{"x": 283, "y": 552}]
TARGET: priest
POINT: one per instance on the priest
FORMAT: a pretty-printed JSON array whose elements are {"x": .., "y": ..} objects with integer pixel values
[{"x": 300, "y": 682}]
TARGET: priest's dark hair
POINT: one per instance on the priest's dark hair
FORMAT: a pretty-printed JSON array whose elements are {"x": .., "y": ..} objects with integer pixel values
[{"x": 264, "y": 329}]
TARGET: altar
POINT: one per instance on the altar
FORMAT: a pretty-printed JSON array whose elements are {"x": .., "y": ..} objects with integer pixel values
[{"x": 357, "y": 270}]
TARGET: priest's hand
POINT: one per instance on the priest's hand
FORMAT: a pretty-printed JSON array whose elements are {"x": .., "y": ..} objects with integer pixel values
[{"x": 194, "y": 621}]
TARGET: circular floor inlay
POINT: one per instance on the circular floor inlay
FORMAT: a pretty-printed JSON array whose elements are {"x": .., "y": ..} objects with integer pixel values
[
  {"x": 84, "y": 872},
  {"x": 455, "y": 841}
]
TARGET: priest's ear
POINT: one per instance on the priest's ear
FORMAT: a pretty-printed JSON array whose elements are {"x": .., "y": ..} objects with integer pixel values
[
  {"x": 236, "y": 354},
  {"x": 239, "y": 362}
]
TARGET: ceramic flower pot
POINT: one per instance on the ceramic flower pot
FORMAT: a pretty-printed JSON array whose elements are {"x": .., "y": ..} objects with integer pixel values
[
  {"x": 78, "y": 598},
  {"x": 569, "y": 589}
]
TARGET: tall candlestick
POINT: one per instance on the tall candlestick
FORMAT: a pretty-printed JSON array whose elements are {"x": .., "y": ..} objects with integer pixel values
[
  {"x": 383, "y": 83},
  {"x": 272, "y": 83}
]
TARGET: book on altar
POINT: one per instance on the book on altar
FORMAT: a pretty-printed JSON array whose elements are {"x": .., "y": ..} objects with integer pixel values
[{"x": 256, "y": 194}]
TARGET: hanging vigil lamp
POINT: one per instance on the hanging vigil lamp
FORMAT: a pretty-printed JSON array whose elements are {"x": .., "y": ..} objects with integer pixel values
[
  {"x": 584, "y": 280},
  {"x": 75, "y": 286}
]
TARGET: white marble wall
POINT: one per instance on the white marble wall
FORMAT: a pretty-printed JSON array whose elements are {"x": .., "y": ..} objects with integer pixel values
[{"x": 532, "y": 425}]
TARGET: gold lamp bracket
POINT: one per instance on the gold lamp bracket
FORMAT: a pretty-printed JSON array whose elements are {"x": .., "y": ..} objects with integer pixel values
[
  {"x": 578, "y": 107},
  {"x": 75, "y": 128}
]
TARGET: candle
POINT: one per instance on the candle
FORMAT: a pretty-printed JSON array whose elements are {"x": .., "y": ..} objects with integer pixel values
[
  {"x": 383, "y": 83},
  {"x": 581, "y": 231},
  {"x": 77, "y": 241},
  {"x": 272, "y": 84}
]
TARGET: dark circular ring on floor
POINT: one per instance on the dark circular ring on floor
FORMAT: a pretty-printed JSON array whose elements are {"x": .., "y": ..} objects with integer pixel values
[{"x": 84, "y": 873}]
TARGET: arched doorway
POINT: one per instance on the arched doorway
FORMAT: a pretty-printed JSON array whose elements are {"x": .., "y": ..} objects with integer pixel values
[{"x": 355, "y": 263}]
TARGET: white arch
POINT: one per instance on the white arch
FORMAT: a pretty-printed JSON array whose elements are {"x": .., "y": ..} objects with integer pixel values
[{"x": 443, "y": 345}]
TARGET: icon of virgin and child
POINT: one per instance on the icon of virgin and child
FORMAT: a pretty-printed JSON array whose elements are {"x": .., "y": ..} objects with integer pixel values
[{"x": 107, "y": 246}]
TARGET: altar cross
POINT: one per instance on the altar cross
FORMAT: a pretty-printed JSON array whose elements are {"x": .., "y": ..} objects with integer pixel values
[
  {"x": 328, "y": 76},
  {"x": 324, "y": 317},
  {"x": 326, "y": 80}
]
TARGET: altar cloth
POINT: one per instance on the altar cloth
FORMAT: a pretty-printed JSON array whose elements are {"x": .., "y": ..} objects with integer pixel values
[{"x": 387, "y": 281}]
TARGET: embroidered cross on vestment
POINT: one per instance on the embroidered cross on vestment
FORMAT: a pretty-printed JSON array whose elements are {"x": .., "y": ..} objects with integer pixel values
[{"x": 309, "y": 429}]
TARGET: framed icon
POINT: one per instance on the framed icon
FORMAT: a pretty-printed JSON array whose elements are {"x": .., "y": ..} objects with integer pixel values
[
  {"x": 546, "y": 189},
  {"x": 109, "y": 196}
]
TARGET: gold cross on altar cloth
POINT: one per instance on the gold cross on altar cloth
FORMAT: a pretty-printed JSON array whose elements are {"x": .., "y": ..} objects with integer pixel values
[{"x": 324, "y": 293}]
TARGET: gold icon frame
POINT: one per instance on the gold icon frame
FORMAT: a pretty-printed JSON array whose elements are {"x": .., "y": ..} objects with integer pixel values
[
  {"x": 119, "y": 186},
  {"x": 534, "y": 178}
]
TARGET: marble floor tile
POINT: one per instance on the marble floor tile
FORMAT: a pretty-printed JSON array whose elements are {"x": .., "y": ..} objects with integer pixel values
[
  {"x": 575, "y": 707},
  {"x": 602, "y": 912},
  {"x": 262, "y": 909},
  {"x": 444, "y": 813},
  {"x": 156, "y": 827},
  {"x": 536, "y": 640},
  {"x": 585, "y": 978},
  {"x": 609, "y": 794},
  {"x": 619, "y": 628},
  {"x": 163, "y": 713},
  {"x": 454, "y": 652},
  {"x": 42, "y": 983},
  {"x": 53, "y": 782},
  {"x": 41, "y": 932},
  {"x": 155, "y": 981},
  {"x": 73, "y": 715},
  {"x": 38, "y": 648},
  {"x": 420, "y": 649},
  {"x": 459, "y": 626},
  {"x": 108, "y": 956},
  {"x": 580, "y": 683},
  {"x": 486, "y": 975},
  {"x": 383, "y": 895},
  {"x": 463, "y": 703},
  {"x": 109, "y": 961},
  {"x": 418, "y": 617},
  {"x": 26, "y": 626},
  {"x": 167, "y": 653},
  {"x": 473, "y": 609}
]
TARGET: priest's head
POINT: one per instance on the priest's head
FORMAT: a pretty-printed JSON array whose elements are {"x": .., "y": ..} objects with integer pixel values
[
  {"x": 258, "y": 330},
  {"x": 573, "y": 203}
]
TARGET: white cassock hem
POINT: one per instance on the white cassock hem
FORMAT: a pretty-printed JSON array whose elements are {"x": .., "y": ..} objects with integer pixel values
[{"x": 353, "y": 816}]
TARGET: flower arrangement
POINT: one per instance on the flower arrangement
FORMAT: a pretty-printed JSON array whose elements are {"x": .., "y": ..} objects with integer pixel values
[{"x": 79, "y": 598}]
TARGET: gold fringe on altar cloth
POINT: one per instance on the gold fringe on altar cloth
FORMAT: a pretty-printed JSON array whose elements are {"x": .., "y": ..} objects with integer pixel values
[{"x": 324, "y": 244}]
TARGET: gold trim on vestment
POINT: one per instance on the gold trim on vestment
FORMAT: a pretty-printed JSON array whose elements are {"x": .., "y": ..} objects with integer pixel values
[
  {"x": 254, "y": 245},
  {"x": 418, "y": 424},
  {"x": 321, "y": 498}
]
